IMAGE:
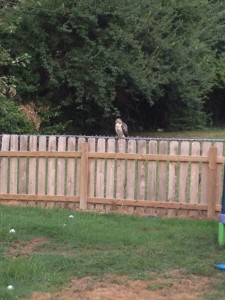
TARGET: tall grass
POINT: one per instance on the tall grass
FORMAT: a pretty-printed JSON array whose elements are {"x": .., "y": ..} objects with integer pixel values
[{"x": 95, "y": 245}]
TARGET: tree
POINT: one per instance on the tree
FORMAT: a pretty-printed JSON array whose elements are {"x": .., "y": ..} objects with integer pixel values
[{"x": 151, "y": 62}]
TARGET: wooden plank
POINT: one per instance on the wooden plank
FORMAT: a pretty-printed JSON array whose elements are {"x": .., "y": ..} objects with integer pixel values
[
  {"x": 194, "y": 176},
  {"x": 219, "y": 173},
  {"x": 51, "y": 179},
  {"x": 144, "y": 203},
  {"x": 205, "y": 175},
  {"x": 183, "y": 185},
  {"x": 61, "y": 163},
  {"x": 131, "y": 171},
  {"x": 32, "y": 180},
  {"x": 91, "y": 168},
  {"x": 70, "y": 183},
  {"x": 4, "y": 165},
  {"x": 80, "y": 141},
  {"x": 152, "y": 172},
  {"x": 110, "y": 175},
  {"x": 42, "y": 166},
  {"x": 162, "y": 172},
  {"x": 173, "y": 171},
  {"x": 84, "y": 176},
  {"x": 23, "y": 166},
  {"x": 212, "y": 182},
  {"x": 27, "y": 197},
  {"x": 147, "y": 157},
  {"x": 120, "y": 172},
  {"x": 13, "y": 180},
  {"x": 100, "y": 175},
  {"x": 141, "y": 188}
]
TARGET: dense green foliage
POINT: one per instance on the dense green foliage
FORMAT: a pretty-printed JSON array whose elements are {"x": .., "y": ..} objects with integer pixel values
[
  {"x": 98, "y": 245},
  {"x": 152, "y": 62}
]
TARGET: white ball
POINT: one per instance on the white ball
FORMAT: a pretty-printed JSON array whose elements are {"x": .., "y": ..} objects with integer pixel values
[
  {"x": 10, "y": 287},
  {"x": 12, "y": 231},
  {"x": 71, "y": 216}
]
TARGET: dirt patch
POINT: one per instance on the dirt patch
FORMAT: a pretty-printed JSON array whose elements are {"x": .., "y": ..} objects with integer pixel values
[
  {"x": 25, "y": 248},
  {"x": 173, "y": 287}
]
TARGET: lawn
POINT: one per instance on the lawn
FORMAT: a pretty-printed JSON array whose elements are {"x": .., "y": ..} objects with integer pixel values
[{"x": 50, "y": 248}]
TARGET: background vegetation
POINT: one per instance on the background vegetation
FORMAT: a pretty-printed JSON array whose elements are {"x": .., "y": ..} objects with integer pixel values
[{"x": 157, "y": 64}]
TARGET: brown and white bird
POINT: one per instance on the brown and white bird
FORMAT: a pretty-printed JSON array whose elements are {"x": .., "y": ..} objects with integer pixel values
[{"x": 121, "y": 128}]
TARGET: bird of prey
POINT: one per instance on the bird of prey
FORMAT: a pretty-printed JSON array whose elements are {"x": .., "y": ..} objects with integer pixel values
[{"x": 121, "y": 128}]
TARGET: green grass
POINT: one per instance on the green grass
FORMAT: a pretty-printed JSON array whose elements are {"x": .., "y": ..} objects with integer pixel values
[{"x": 96, "y": 245}]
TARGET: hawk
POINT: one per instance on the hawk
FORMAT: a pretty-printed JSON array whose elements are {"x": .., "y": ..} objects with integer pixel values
[{"x": 121, "y": 128}]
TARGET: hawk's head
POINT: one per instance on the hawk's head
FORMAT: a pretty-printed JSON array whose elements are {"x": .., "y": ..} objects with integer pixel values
[{"x": 118, "y": 121}]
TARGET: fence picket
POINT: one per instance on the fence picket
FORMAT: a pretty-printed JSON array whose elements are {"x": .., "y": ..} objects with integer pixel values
[
  {"x": 120, "y": 176},
  {"x": 61, "y": 162},
  {"x": 194, "y": 176},
  {"x": 100, "y": 176},
  {"x": 91, "y": 161},
  {"x": 162, "y": 172},
  {"x": 70, "y": 183},
  {"x": 42, "y": 166},
  {"x": 173, "y": 170},
  {"x": 205, "y": 175},
  {"x": 13, "y": 181},
  {"x": 110, "y": 176},
  {"x": 141, "y": 190},
  {"x": 219, "y": 174},
  {"x": 131, "y": 171},
  {"x": 184, "y": 183},
  {"x": 4, "y": 165},
  {"x": 32, "y": 180},
  {"x": 51, "y": 179},
  {"x": 152, "y": 172},
  {"x": 23, "y": 166},
  {"x": 79, "y": 146}
]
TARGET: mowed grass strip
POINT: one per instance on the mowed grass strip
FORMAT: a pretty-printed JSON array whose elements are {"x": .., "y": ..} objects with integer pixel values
[{"x": 93, "y": 244}]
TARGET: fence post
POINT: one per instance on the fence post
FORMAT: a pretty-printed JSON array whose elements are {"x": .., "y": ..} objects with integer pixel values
[
  {"x": 84, "y": 176},
  {"x": 212, "y": 182}
]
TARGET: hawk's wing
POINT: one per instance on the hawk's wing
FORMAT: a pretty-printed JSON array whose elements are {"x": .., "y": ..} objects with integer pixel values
[{"x": 125, "y": 129}]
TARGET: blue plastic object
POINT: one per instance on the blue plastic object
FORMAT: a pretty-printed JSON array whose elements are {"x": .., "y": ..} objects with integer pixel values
[{"x": 220, "y": 266}]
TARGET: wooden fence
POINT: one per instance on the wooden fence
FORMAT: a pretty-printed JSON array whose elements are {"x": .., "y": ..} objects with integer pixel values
[{"x": 146, "y": 176}]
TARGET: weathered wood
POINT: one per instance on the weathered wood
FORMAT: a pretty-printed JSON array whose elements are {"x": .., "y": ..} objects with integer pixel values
[
  {"x": 194, "y": 176},
  {"x": 4, "y": 165},
  {"x": 13, "y": 180},
  {"x": 144, "y": 203},
  {"x": 100, "y": 172},
  {"x": 22, "y": 188},
  {"x": 27, "y": 197},
  {"x": 61, "y": 163},
  {"x": 183, "y": 184},
  {"x": 131, "y": 171},
  {"x": 120, "y": 177},
  {"x": 80, "y": 142},
  {"x": 91, "y": 168},
  {"x": 110, "y": 175},
  {"x": 205, "y": 175},
  {"x": 32, "y": 180},
  {"x": 219, "y": 173},
  {"x": 152, "y": 172},
  {"x": 51, "y": 179},
  {"x": 162, "y": 172},
  {"x": 212, "y": 182},
  {"x": 70, "y": 183},
  {"x": 141, "y": 188},
  {"x": 173, "y": 170},
  {"x": 84, "y": 176},
  {"x": 42, "y": 167}
]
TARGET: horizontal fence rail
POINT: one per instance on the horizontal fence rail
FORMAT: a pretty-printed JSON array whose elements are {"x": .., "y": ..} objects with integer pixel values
[{"x": 152, "y": 176}]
